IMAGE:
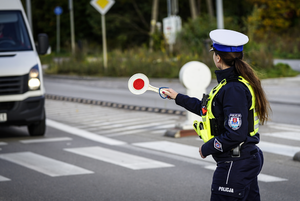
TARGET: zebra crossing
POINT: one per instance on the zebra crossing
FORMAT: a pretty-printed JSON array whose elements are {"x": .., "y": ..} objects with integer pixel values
[
  {"x": 56, "y": 168},
  {"x": 99, "y": 125},
  {"x": 109, "y": 122}
]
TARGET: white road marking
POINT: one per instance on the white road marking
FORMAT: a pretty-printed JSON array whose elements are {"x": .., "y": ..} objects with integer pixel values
[
  {"x": 4, "y": 178},
  {"x": 83, "y": 133},
  {"x": 120, "y": 128},
  {"x": 261, "y": 177},
  {"x": 136, "y": 123},
  {"x": 192, "y": 152},
  {"x": 3, "y": 143},
  {"x": 268, "y": 178},
  {"x": 42, "y": 164},
  {"x": 285, "y": 135},
  {"x": 175, "y": 148},
  {"x": 119, "y": 158},
  {"x": 46, "y": 140},
  {"x": 280, "y": 149},
  {"x": 285, "y": 127},
  {"x": 130, "y": 132}
]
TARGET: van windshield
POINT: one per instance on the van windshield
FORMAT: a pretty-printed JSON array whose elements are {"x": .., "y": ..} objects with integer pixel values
[{"x": 13, "y": 32}]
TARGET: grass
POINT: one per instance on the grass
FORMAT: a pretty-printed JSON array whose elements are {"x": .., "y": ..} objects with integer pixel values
[{"x": 156, "y": 64}]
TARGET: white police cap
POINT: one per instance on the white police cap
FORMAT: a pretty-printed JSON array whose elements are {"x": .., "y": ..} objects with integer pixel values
[{"x": 227, "y": 40}]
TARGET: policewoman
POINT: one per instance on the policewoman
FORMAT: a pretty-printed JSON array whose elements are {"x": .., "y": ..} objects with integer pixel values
[{"x": 231, "y": 114}]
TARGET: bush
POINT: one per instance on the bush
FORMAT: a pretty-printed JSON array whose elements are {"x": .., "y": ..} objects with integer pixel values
[{"x": 192, "y": 44}]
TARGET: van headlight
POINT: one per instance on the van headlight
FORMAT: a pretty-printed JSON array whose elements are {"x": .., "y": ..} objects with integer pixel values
[{"x": 34, "y": 82}]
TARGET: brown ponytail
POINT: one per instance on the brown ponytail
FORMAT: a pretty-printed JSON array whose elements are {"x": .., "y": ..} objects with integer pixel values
[{"x": 243, "y": 69}]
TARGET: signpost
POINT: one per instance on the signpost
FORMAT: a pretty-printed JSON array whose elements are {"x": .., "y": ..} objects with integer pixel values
[
  {"x": 72, "y": 26},
  {"x": 171, "y": 24},
  {"x": 58, "y": 11},
  {"x": 102, "y": 6}
]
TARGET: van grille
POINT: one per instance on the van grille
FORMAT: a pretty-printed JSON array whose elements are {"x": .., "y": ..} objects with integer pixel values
[
  {"x": 6, "y": 105},
  {"x": 13, "y": 85}
]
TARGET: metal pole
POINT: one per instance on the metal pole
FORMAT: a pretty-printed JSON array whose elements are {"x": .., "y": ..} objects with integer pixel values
[
  {"x": 153, "y": 23},
  {"x": 104, "y": 41},
  {"x": 72, "y": 26},
  {"x": 174, "y": 7},
  {"x": 57, "y": 33},
  {"x": 169, "y": 7},
  {"x": 169, "y": 16},
  {"x": 28, "y": 8},
  {"x": 220, "y": 19}
]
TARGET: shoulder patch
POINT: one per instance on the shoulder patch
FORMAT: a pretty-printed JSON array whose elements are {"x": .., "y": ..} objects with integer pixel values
[
  {"x": 218, "y": 145},
  {"x": 235, "y": 121}
]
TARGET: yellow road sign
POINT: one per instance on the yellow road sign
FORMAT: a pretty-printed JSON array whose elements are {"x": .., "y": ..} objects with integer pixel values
[{"x": 102, "y": 6}]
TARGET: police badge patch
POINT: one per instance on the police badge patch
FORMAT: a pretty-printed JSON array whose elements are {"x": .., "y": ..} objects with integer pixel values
[
  {"x": 235, "y": 121},
  {"x": 218, "y": 145}
]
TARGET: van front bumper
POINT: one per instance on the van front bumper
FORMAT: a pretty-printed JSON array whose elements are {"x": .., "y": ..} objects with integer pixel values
[{"x": 24, "y": 112}]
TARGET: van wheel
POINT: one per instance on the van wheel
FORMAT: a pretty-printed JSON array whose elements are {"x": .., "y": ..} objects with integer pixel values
[{"x": 38, "y": 128}]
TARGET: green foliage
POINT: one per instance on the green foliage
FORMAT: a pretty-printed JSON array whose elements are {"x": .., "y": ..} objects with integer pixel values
[
  {"x": 276, "y": 26},
  {"x": 127, "y": 31},
  {"x": 279, "y": 70},
  {"x": 274, "y": 16},
  {"x": 120, "y": 64},
  {"x": 195, "y": 33}
]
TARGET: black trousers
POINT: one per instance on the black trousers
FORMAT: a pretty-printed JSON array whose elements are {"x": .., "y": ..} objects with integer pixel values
[{"x": 236, "y": 180}]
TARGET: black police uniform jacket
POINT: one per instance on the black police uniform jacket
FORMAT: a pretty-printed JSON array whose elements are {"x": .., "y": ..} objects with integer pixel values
[{"x": 233, "y": 99}]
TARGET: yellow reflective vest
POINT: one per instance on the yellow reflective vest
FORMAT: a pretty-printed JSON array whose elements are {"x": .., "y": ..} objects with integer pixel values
[{"x": 204, "y": 127}]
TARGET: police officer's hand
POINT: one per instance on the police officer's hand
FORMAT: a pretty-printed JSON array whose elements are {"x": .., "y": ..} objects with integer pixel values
[
  {"x": 170, "y": 93},
  {"x": 201, "y": 153}
]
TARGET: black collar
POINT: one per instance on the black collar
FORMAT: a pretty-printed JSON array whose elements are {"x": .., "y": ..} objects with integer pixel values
[{"x": 226, "y": 73}]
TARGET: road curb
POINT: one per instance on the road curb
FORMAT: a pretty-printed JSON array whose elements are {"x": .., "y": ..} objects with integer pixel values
[
  {"x": 115, "y": 105},
  {"x": 297, "y": 157},
  {"x": 177, "y": 133}
]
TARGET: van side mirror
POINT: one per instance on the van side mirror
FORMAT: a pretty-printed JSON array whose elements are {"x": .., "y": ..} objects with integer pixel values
[{"x": 43, "y": 44}]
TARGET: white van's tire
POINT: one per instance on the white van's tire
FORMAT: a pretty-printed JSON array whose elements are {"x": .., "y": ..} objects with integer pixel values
[{"x": 38, "y": 128}]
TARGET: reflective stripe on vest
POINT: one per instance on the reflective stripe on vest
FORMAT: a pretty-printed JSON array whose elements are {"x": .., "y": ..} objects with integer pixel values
[{"x": 203, "y": 128}]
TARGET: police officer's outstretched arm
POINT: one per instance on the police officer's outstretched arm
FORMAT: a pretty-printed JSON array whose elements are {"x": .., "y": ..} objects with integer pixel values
[
  {"x": 171, "y": 93},
  {"x": 189, "y": 103}
]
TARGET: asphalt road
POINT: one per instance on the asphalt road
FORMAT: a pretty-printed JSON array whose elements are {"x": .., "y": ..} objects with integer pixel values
[
  {"x": 92, "y": 152},
  {"x": 86, "y": 155},
  {"x": 283, "y": 93}
]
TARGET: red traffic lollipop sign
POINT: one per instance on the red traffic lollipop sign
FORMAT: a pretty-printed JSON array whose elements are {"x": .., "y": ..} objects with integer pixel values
[{"x": 139, "y": 84}]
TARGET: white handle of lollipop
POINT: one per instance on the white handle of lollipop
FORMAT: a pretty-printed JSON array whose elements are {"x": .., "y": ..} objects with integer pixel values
[{"x": 139, "y": 84}]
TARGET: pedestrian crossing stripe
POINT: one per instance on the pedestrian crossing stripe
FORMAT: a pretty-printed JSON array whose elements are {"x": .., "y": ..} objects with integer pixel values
[
  {"x": 175, "y": 148},
  {"x": 56, "y": 168},
  {"x": 119, "y": 158},
  {"x": 191, "y": 151},
  {"x": 285, "y": 135},
  {"x": 4, "y": 178},
  {"x": 83, "y": 133},
  {"x": 280, "y": 149},
  {"x": 261, "y": 177},
  {"x": 42, "y": 164},
  {"x": 46, "y": 140}
]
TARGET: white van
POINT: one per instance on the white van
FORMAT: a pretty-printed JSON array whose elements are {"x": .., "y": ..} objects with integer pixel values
[{"x": 22, "y": 92}]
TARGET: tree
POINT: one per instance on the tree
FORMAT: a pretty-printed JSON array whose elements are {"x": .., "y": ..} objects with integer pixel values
[
  {"x": 275, "y": 16},
  {"x": 153, "y": 22}
]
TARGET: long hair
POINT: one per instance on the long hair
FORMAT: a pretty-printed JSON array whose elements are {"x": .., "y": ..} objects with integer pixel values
[{"x": 262, "y": 105}]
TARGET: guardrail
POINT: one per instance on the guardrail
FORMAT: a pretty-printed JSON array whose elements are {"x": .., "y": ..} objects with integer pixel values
[{"x": 115, "y": 105}]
